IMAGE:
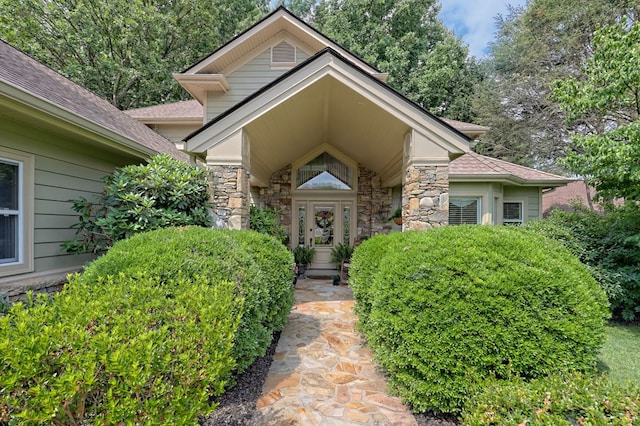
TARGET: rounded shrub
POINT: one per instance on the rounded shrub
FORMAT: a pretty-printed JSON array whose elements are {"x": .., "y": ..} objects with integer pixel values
[
  {"x": 260, "y": 267},
  {"x": 124, "y": 350},
  {"x": 453, "y": 307}
]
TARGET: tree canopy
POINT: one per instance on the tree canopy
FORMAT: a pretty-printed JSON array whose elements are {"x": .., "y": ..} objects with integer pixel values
[
  {"x": 535, "y": 45},
  {"x": 124, "y": 50},
  {"x": 603, "y": 104}
]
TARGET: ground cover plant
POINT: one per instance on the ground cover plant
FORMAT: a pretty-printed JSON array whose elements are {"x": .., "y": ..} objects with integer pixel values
[
  {"x": 609, "y": 244},
  {"x": 151, "y": 333},
  {"x": 449, "y": 310}
]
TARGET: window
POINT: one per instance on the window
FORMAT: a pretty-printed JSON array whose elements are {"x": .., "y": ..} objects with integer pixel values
[
  {"x": 325, "y": 172},
  {"x": 16, "y": 233},
  {"x": 512, "y": 212},
  {"x": 464, "y": 211},
  {"x": 10, "y": 210}
]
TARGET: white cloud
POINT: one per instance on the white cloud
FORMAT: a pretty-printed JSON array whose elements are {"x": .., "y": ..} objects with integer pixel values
[{"x": 474, "y": 20}]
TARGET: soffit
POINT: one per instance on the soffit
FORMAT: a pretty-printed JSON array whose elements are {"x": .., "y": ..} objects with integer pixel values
[{"x": 327, "y": 112}]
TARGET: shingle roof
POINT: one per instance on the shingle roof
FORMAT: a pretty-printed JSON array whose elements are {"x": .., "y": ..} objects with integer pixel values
[
  {"x": 184, "y": 110},
  {"x": 462, "y": 126},
  {"x": 472, "y": 164},
  {"x": 30, "y": 76}
]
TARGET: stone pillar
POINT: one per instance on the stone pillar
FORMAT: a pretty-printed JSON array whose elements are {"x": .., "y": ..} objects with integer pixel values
[
  {"x": 229, "y": 189},
  {"x": 425, "y": 196},
  {"x": 373, "y": 204}
]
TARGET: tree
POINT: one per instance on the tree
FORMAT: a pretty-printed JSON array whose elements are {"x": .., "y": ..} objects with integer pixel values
[
  {"x": 124, "y": 50},
  {"x": 425, "y": 61},
  {"x": 604, "y": 107},
  {"x": 535, "y": 45}
]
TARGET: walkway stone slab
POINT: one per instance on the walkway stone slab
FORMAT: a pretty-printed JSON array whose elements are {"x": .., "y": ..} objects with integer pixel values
[{"x": 322, "y": 372}]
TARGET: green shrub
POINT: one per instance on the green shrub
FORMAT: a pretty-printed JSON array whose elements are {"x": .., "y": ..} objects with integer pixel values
[
  {"x": 165, "y": 192},
  {"x": 452, "y": 307},
  {"x": 260, "y": 267},
  {"x": 265, "y": 221},
  {"x": 556, "y": 400},
  {"x": 609, "y": 244},
  {"x": 123, "y": 350}
]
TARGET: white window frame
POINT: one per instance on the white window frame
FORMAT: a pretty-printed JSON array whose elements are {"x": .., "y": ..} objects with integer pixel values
[
  {"x": 518, "y": 221},
  {"x": 478, "y": 207},
  {"x": 25, "y": 163}
]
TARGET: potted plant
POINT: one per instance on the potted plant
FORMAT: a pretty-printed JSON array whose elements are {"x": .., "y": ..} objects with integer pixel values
[
  {"x": 303, "y": 257},
  {"x": 341, "y": 253},
  {"x": 397, "y": 216}
]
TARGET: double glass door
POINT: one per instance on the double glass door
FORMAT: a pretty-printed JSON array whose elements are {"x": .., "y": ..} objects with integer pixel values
[{"x": 322, "y": 225}]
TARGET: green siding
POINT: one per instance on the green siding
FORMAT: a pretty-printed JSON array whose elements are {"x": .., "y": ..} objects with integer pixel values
[
  {"x": 65, "y": 169},
  {"x": 245, "y": 81},
  {"x": 531, "y": 197}
]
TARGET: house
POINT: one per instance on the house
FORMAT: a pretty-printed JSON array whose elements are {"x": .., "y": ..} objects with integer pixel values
[
  {"x": 285, "y": 117},
  {"x": 57, "y": 141}
]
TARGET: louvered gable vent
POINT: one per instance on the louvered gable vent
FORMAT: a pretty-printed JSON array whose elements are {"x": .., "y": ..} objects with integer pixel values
[{"x": 283, "y": 54}]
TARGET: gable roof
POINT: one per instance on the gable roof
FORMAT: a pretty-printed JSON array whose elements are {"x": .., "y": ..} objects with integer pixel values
[
  {"x": 30, "y": 83},
  {"x": 475, "y": 167},
  {"x": 277, "y": 21},
  {"x": 327, "y": 62},
  {"x": 178, "y": 112}
]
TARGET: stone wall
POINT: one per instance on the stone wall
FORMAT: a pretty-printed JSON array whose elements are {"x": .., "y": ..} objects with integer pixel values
[
  {"x": 278, "y": 196},
  {"x": 374, "y": 204},
  {"x": 17, "y": 291},
  {"x": 229, "y": 189},
  {"x": 425, "y": 197}
]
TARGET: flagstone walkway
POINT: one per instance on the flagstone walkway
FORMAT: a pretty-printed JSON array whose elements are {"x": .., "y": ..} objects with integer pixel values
[{"x": 322, "y": 372}]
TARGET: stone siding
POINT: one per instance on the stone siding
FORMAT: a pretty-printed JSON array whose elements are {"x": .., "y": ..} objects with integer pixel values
[
  {"x": 229, "y": 189},
  {"x": 17, "y": 291},
  {"x": 278, "y": 196},
  {"x": 374, "y": 204},
  {"x": 425, "y": 197}
]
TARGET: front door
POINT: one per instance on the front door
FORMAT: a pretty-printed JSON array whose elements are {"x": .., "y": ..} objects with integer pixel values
[{"x": 322, "y": 225}]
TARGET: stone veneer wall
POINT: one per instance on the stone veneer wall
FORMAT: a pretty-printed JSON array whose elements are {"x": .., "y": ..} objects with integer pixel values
[
  {"x": 229, "y": 189},
  {"x": 278, "y": 196},
  {"x": 374, "y": 204},
  {"x": 425, "y": 197}
]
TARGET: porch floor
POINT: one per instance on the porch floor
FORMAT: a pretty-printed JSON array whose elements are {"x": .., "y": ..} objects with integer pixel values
[{"x": 322, "y": 373}]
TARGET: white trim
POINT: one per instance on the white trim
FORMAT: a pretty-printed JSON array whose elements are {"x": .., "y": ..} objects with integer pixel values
[
  {"x": 522, "y": 211},
  {"x": 478, "y": 198},
  {"x": 26, "y": 173}
]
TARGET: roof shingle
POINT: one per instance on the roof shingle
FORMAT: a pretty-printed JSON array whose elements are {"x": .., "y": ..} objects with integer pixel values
[{"x": 30, "y": 76}]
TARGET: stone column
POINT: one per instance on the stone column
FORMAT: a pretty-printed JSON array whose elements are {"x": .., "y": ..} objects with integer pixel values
[
  {"x": 229, "y": 189},
  {"x": 425, "y": 196},
  {"x": 228, "y": 164}
]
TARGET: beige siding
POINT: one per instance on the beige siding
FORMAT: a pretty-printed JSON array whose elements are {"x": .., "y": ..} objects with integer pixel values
[
  {"x": 175, "y": 132},
  {"x": 64, "y": 170},
  {"x": 250, "y": 78}
]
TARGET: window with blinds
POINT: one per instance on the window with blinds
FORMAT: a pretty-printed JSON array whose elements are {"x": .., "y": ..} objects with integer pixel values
[
  {"x": 512, "y": 212},
  {"x": 283, "y": 54},
  {"x": 464, "y": 211},
  {"x": 325, "y": 172}
]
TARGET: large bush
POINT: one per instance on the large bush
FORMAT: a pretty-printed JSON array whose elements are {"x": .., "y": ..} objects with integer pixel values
[
  {"x": 609, "y": 244},
  {"x": 122, "y": 350},
  {"x": 555, "y": 400},
  {"x": 448, "y": 309},
  {"x": 260, "y": 267},
  {"x": 137, "y": 198}
]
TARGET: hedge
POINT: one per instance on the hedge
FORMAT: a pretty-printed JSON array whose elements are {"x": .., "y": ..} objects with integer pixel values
[
  {"x": 127, "y": 350},
  {"x": 446, "y": 310},
  {"x": 260, "y": 267}
]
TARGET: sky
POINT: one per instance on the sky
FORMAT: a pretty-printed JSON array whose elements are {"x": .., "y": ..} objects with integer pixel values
[{"x": 473, "y": 20}]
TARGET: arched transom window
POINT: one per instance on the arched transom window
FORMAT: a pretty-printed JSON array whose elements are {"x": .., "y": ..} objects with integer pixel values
[{"x": 325, "y": 172}]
